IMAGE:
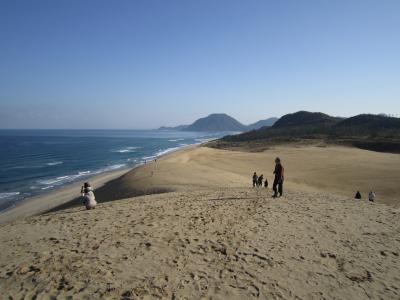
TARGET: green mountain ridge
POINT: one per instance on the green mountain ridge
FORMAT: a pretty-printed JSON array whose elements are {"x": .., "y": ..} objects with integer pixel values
[{"x": 367, "y": 131}]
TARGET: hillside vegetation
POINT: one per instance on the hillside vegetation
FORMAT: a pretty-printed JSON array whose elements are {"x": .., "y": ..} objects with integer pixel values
[{"x": 366, "y": 131}]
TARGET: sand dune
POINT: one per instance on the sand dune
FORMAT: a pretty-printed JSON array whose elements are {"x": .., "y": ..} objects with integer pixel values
[
  {"x": 216, "y": 237},
  {"x": 220, "y": 243},
  {"x": 337, "y": 170}
]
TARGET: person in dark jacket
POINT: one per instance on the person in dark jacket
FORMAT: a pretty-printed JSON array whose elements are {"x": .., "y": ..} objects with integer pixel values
[
  {"x": 358, "y": 195},
  {"x": 278, "y": 180},
  {"x": 260, "y": 180},
  {"x": 255, "y": 179},
  {"x": 266, "y": 183}
]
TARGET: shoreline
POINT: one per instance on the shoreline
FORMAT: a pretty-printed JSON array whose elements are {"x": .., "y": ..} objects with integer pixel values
[
  {"x": 198, "y": 167},
  {"x": 44, "y": 203},
  {"x": 39, "y": 204}
]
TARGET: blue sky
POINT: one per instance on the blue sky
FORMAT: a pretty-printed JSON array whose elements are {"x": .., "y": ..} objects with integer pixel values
[{"x": 143, "y": 64}]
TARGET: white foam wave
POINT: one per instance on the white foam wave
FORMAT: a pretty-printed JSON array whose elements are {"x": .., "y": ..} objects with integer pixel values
[
  {"x": 54, "y": 163},
  {"x": 127, "y": 150},
  {"x": 203, "y": 140},
  {"x": 84, "y": 173},
  {"x": 110, "y": 168},
  {"x": 69, "y": 178},
  {"x": 8, "y": 195},
  {"x": 149, "y": 157},
  {"x": 47, "y": 187},
  {"x": 162, "y": 152},
  {"x": 175, "y": 140}
]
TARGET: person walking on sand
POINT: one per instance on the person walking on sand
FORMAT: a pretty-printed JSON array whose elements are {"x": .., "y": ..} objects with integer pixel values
[
  {"x": 266, "y": 183},
  {"x": 260, "y": 180},
  {"x": 89, "y": 200},
  {"x": 371, "y": 196},
  {"x": 278, "y": 180},
  {"x": 255, "y": 179},
  {"x": 358, "y": 195}
]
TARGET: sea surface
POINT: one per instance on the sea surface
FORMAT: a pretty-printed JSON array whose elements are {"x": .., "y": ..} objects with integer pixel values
[{"x": 33, "y": 162}]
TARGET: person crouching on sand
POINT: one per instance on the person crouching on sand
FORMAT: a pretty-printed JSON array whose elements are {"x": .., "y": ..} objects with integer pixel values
[
  {"x": 89, "y": 200},
  {"x": 278, "y": 180}
]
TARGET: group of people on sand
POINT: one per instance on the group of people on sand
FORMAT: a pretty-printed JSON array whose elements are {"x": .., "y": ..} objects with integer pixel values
[
  {"x": 371, "y": 196},
  {"x": 89, "y": 200},
  {"x": 277, "y": 186},
  {"x": 258, "y": 180}
]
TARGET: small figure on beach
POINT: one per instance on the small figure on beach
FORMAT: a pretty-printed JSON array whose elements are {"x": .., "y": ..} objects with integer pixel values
[
  {"x": 255, "y": 179},
  {"x": 260, "y": 180},
  {"x": 89, "y": 200},
  {"x": 371, "y": 196},
  {"x": 278, "y": 180},
  {"x": 358, "y": 195},
  {"x": 266, "y": 183}
]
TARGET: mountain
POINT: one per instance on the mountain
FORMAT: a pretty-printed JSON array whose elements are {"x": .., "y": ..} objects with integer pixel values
[
  {"x": 220, "y": 122},
  {"x": 370, "y": 122},
  {"x": 305, "y": 118},
  {"x": 366, "y": 131},
  {"x": 216, "y": 122},
  {"x": 262, "y": 123}
]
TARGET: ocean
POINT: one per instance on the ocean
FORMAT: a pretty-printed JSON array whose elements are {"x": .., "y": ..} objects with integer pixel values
[{"x": 33, "y": 162}]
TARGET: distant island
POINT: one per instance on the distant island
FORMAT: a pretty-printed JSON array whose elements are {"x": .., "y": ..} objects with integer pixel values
[
  {"x": 365, "y": 131},
  {"x": 221, "y": 122}
]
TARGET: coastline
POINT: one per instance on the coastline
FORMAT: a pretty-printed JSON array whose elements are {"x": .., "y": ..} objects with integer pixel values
[
  {"x": 64, "y": 197},
  {"x": 315, "y": 242},
  {"x": 195, "y": 166},
  {"x": 39, "y": 204}
]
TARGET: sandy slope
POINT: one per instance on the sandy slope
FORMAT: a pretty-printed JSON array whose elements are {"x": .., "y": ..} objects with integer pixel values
[
  {"x": 338, "y": 170},
  {"x": 220, "y": 243},
  {"x": 216, "y": 237}
]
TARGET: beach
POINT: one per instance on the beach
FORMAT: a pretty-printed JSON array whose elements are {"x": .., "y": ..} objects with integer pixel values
[
  {"x": 48, "y": 201},
  {"x": 190, "y": 225}
]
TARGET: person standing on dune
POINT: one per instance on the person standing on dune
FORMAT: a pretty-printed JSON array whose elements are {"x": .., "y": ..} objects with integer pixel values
[
  {"x": 255, "y": 179},
  {"x": 278, "y": 180},
  {"x": 260, "y": 180}
]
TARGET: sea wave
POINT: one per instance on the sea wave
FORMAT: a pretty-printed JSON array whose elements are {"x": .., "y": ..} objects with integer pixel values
[
  {"x": 203, "y": 140},
  {"x": 8, "y": 195},
  {"x": 54, "y": 163},
  {"x": 175, "y": 140},
  {"x": 126, "y": 150},
  {"x": 52, "y": 182},
  {"x": 162, "y": 152},
  {"x": 149, "y": 157}
]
